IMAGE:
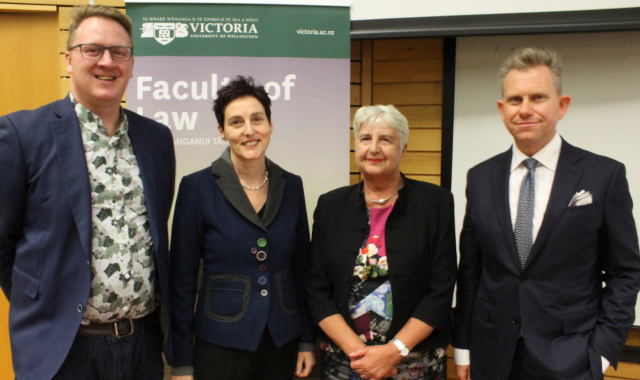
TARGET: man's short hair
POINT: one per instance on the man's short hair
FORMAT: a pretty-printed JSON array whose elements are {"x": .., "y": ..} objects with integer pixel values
[
  {"x": 530, "y": 57},
  {"x": 236, "y": 89},
  {"x": 79, "y": 14}
]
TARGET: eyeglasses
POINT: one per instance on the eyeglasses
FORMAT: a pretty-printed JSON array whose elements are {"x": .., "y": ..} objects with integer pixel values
[{"x": 92, "y": 51}]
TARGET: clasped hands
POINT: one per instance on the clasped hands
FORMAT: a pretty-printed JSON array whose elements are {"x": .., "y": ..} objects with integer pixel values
[{"x": 375, "y": 362}]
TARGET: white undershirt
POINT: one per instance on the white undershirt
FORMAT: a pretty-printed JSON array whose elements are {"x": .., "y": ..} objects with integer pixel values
[{"x": 547, "y": 158}]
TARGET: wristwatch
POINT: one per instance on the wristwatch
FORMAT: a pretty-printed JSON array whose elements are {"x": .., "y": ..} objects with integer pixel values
[{"x": 402, "y": 349}]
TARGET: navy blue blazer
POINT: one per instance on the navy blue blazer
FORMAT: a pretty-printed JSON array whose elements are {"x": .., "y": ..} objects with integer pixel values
[
  {"x": 240, "y": 295},
  {"x": 45, "y": 226},
  {"x": 568, "y": 319}
]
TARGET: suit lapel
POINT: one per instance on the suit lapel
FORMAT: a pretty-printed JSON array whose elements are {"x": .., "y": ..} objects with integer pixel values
[
  {"x": 564, "y": 183},
  {"x": 277, "y": 183},
  {"x": 500, "y": 192},
  {"x": 75, "y": 175}
]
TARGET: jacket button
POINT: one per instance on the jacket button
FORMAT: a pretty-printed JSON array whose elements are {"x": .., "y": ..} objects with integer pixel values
[
  {"x": 262, "y": 242},
  {"x": 523, "y": 279},
  {"x": 254, "y": 250},
  {"x": 262, "y": 280},
  {"x": 261, "y": 255},
  {"x": 514, "y": 320},
  {"x": 262, "y": 267},
  {"x": 264, "y": 292},
  {"x": 80, "y": 308}
]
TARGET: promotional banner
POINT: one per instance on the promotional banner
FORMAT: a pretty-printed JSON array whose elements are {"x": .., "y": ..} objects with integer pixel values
[{"x": 184, "y": 53}]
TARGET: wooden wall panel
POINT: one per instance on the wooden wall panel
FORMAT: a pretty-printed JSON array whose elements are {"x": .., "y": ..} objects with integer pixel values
[
  {"x": 422, "y": 116},
  {"x": 356, "y": 95},
  {"x": 62, "y": 41},
  {"x": 407, "y": 71},
  {"x": 28, "y": 61},
  {"x": 65, "y": 86},
  {"x": 356, "y": 72},
  {"x": 408, "y": 49},
  {"x": 6, "y": 367},
  {"x": 113, "y": 3},
  {"x": 27, "y": 8},
  {"x": 435, "y": 179},
  {"x": 367, "y": 72},
  {"x": 356, "y": 50},
  {"x": 408, "y": 93}
]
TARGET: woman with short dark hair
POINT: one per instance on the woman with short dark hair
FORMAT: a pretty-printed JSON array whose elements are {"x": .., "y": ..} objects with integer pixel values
[{"x": 245, "y": 218}]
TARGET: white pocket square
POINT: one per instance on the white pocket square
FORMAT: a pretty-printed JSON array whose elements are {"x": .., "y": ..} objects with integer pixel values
[{"x": 581, "y": 198}]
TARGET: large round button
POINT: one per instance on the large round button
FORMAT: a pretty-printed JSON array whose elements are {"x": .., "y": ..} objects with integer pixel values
[
  {"x": 264, "y": 292},
  {"x": 262, "y": 267},
  {"x": 254, "y": 250},
  {"x": 262, "y": 242},
  {"x": 262, "y": 280},
  {"x": 261, "y": 255}
]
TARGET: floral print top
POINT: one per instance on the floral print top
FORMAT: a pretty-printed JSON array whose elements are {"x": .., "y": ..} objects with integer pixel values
[{"x": 370, "y": 296}]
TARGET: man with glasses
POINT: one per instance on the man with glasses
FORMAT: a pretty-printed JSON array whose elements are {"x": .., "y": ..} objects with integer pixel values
[{"x": 86, "y": 193}]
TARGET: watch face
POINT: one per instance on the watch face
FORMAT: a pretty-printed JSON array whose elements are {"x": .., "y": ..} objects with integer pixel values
[{"x": 404, "y": 351}]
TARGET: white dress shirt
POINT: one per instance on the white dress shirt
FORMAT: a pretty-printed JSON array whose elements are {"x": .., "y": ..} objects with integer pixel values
[{"x": 547, "y": 158}]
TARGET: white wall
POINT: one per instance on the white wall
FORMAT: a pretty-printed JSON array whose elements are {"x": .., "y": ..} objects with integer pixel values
[
  {"x": 601, "y": 75},
  {"x": 382, "y": 9}
]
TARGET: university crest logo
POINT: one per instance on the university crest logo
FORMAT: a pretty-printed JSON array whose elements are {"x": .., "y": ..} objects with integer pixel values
[{"x": 164, "y": 32}]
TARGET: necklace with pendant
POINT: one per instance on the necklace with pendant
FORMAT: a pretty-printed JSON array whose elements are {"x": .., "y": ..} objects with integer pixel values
[{"x": 382, "y": 201}]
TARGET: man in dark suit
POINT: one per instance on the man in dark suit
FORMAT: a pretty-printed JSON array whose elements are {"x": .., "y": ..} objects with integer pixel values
[
  {"x": 546, "y": 224},
  {"x": 86, "y": 193}
]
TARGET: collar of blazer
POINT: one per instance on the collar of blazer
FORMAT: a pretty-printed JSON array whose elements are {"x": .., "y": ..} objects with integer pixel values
[
  {"x": 230, "y": 186},
  {"x": 566, "y": 178}
]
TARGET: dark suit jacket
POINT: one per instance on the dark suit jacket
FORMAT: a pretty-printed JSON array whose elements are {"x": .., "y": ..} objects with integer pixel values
[
  {"x": 568, "y": 319},
  {"x": 421, "y": 252},
  {"x": 215, "y": 222},
  {"x": 45, "y": 226}
]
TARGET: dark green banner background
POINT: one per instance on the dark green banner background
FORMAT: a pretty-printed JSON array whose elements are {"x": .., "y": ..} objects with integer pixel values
[{"x": 281, "y": 30}]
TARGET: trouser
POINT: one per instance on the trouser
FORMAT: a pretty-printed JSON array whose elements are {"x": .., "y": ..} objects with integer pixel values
[
  {"x": 105, "y": 357},
  {"x": 268, "y": 362}
]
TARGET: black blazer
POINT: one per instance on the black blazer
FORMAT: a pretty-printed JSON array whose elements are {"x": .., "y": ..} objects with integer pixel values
[
  {"x": 45, "y": 226},
  {"x": 567, "y": 318},
  {"x": 421, "y": 252},
  {"x": 240, "y": 296}
]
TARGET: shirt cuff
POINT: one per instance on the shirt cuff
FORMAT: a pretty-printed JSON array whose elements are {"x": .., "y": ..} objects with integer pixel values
[
  {"x": 605, "y": 364},
  {"x": 461, "y": 356},
  {"x": 182, "y": 371}
]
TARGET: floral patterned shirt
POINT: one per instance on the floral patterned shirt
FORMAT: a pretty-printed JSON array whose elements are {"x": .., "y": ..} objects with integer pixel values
[
  {"x": 123, "y": 258},
  {"x": 370, "y": 297}
]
